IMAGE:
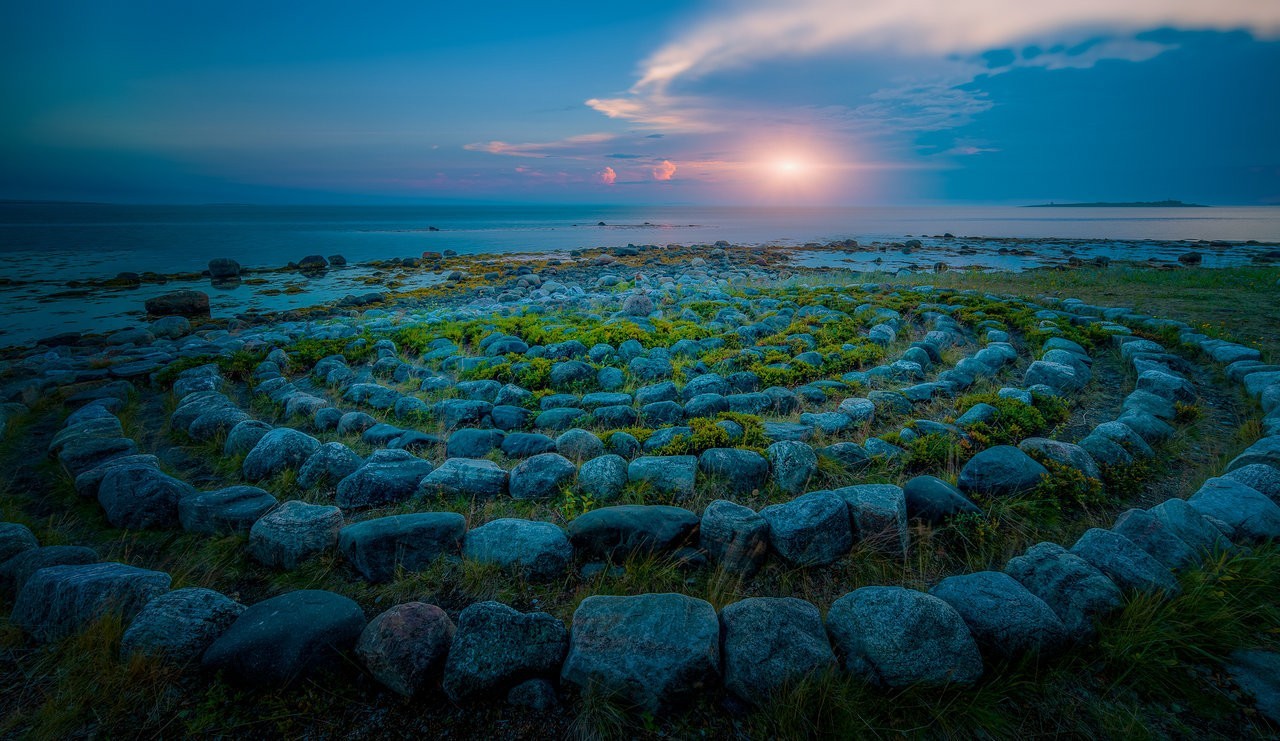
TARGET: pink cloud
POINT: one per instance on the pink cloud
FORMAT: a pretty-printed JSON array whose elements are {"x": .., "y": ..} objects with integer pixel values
[
  {"x": 664, "y": 171},
  {"x": 607, "y": 176}
]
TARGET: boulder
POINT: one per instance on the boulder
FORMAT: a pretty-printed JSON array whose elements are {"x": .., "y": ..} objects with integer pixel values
[
  {"x": 465, "y": 477},
  {"x": 810, "y": 530},
  {"x": 616, "y": 532},
  {"x": 1002, "y": 470},
  {"x": 650, "y": 651},
  {"x": 879, "y": 516},
  {"x": 1063, "y": 453},
  {"x": 405, "y": 647},
  {"x": 495, "y": 648},
  {"x": 230, "y": 510},
  {"x": 141, "y": 497},
  {"x": 1251, "y": 516},
  {"x": 294, "y": 532},
  {"x": 672, "y": 475},
  {"x": 287, "y": 638},
  {"x": 1130, "y": 567},
  {"x": 1265, "y": 451},
  {"x": 603, "y": 478},
  {"x": 897, "y": 637},
  {"x": 793, "y": 463},
  {"x": 1006, "y": 620},
  {"x": 281, "y": 449},
  {"x": 387, "y": 477},
  {"x": 741, "y": 471},
  {"x": 58, "y": 601},
  {"x": 377, "y": 548},
  {"x": 771, "y": 643},
  {"x": 473, "y": 443},
  {"x": 331, "y": 462},
  {"x": 1077, "y": 592},
  {"x": 179, "y": 303},
  {"x": 579, "y": 445},
  {"x": 17, "y": 569},
  {"x": 735, "y": 538},
  {"x": 540, "y": 550},
  {"x": 1149, "y": 533},
  {"x": 541, "y": 476},
  {"x": 14, "y": 539},
  {"x": 1259, "y": 477},
  {"x": 180, "y": 625},
  {"x": 934, "y": 501}
]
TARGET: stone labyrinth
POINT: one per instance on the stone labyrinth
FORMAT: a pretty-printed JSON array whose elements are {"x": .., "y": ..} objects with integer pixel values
[{"x": 673, "y": 489}]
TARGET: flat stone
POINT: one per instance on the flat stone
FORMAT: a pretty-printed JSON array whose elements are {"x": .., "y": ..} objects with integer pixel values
[
  {"x": 673, "y": 475},
  {"x": 464, "y": 477}
]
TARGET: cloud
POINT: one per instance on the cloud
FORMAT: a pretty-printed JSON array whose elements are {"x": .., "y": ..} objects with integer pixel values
[
  {"x": 541, "y": 149},
  {"x": 744, "y": 33},
  {"x": 664, "y": 171},
  {"x": 607, "y": 176}
]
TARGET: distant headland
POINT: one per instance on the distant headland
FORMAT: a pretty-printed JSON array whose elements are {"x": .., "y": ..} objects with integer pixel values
[{"x": 1117, "y": 204}]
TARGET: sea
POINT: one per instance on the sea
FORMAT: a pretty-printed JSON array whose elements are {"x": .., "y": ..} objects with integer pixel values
[{"x": 45, "y": 245}]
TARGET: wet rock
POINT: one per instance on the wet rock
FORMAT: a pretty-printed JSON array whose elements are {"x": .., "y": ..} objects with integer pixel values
[{"x": 179, "y": 303}]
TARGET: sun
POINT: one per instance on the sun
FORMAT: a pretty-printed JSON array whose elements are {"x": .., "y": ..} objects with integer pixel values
[{"x": 789, "y": 167}]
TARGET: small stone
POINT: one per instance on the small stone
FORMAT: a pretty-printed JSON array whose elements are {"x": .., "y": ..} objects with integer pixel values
[
  {"x": 616, "y": 532},
  {"x": 603, "y": 478}
]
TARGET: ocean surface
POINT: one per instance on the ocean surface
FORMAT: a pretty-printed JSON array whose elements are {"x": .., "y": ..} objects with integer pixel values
[
  {"x": 66, "y": 241},
  {"x": 45, "y": 245}
]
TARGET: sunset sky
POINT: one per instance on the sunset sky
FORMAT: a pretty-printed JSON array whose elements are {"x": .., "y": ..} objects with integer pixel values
[{"x": 798, "y": 102}]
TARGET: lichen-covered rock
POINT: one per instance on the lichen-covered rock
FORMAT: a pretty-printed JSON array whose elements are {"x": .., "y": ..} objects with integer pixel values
[
  {"x": 539, "y": 549},
  {"x": 377, "y": 548},
  {"x": 58, "y": 601},
  {"x": 897, "y": 637},
  {"x": 770, "y": 643},
  {"x": 331, "y": 462},
  {"x": 792, "y": 464},
  {"x": 810, "y": 530},
  {"x": 497, "y": 647},
  {"x": 287, "y": 638},
  {"x": 180, "y": 625},
  {"x": 1006, "y": 620},
  {"x": 294, "y": 532},
  {"x": 1149, "y": 533},
  {"x": 736, "y": 538},
  {"x": 405, "y": 647},
  {"x": 1261, "y": 478},
  {"x": 650, "y": 651}
]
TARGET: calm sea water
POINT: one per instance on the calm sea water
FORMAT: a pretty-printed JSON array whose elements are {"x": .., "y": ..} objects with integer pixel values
[{"x": 64, "y": 241}]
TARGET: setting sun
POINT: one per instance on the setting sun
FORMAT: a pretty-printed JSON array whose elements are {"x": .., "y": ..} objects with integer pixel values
[{"x": 789, "y": 167}]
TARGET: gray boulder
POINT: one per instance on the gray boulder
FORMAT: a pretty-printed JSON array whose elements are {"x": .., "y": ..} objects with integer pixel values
[
  {"x": 294, "y": 532},
  {"x": 879, "y": 515},
  {"x": 736, "y": 538},
  {"x": 287, "y": 638},
  {"x": 1261, "y": 478},
  {"x": 377, "y": 548},
  {"x": 58, "y": 601},
  {"x": 465, "y": 477},
  {"x": 387, "y": 477},
  {"x": 14, "y": 539},
  {"x": 1248, "y": 512},
  {"x": 616, "y": 532},
  {"x": 897, "y": 637},
  {"x": 650, "y": 651},
  {"x": 331, "y": 462},
  {"x": 230, "y": 510},
  {"x": 1077, "y": 592},
  {"x": 17, "y": 569},
  {"x": 1150, "y": 534},
  {"x": 1130, "y": 567},
  {"x": 1066, "y": 454},
  {"x": 180, "y": 625},
  {"x": 671, "y": 474},
  {"x": 496, "y": 648},
  {"x": 281, "y": 449},
  {"x": 1266, "y": 451},
  {"x": 1002, "y": 470},
  {"x": 793, "y": 463},
  {"x": 539, "y": 549},
  {"x": 141, "y": 497},
  {"x": 541, "y": 476},
  {"x": 934, "y": 501},
  {"x": 810, "y": 530},
  {"x": 579, "y": 445},
  {"x": 603, "y": 478},
  {"x": 770, "y": 643},
  {"x": 742, "y": 471},
  {"x": 1006, "y": 620}
]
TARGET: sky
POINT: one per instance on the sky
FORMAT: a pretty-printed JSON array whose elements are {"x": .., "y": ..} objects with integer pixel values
[{"x": 778, "y": 102}]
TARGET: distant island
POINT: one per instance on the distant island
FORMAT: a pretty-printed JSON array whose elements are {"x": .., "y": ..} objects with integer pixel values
[{"x": 1132, "y": 204}]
